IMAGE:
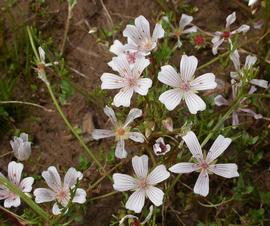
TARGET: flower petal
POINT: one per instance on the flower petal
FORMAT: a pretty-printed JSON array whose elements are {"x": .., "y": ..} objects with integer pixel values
[
  {"x": 184, "y": 21},
  {"x": 250, "y": 61},
  {"x": 204, "y": 82},
  {"x": 143, "y": 85},
  {"x": 142, "y": 26},
  {"x": 235, "y": 119},
  {"x": 123, "y": 97},
  {"x": 15, "y": 172},
  {"x": 120, "y": 151},
  {"x": 15, "y": 202},
  {"x": 235, "y": 58},
  {"x": 259, "y": 82},
  {"x": 159, "y": 174},
  {"x": 136, "y": 201},
  {"x": 171, "y": 98},
  {"x": 184, "y": 167},
  {"x": 216, "y": 44},
  {"x": 56, "y": 210},
  {"x": 136, "y": 136},
  {"x": 132, "y": 115},
  {"x": 169, "y": 76},
  {"x": 228, "y": 170},
  {"x": 112, "y": 81},
  {"x": 188, "y": 66},
  {"x": 44, "y": 195},
  {"x": 121, "y": 65},
  {"x": 41, "y": 54},
  {"x": 102, "y": 133},
  {"x": 158, "y": 32},
  {"x": 80, "y": 196},
  {"x": 230, "y": 19},
  {"x": 139, "y": 66},
  {"x": 155, "y": 195},
  {"x": 117, "y": 47},
  {"x": 123, "y": 182},
  {"x": 110, "y": 113},
  {"x": 221, "y": 101},
  {"x": 26, "y": 184},
  {"x": 202, "y": 184},
  {"x": 71, "y": 177},
  {"x": 217, "y": 148},
  {"x": 251, "y": 113},
  {"x": 243, "y": 28},
  {"x": 140, "y": 165},
  {"x": 190, "y": 30},
  {"x": 193, "y": 145},
  {"x": 194, "y": 102},
  {"x": 52, "y": 178}
]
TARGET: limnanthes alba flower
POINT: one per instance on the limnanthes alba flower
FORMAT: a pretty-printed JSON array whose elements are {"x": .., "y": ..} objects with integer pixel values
[
  {"x": 119, "y": 49},
  {"x": 185, "y": 85},
  {"x": 58, "y": 191},
  {"x": 139, "y": 37},
  {"x": 206, "y": 165},
  {"x": 143, "y": 184},
  {"x": 121, "y": 131},
  {"x": 42, "y": 65},
  {"x": 160, "y": 148},
  {"x": 14, "y": 175},
  {"x": 249, "y": 63},
  {"x": 220, "y": 37},
  {"x": 21, "y": 147},
  {"x": 128, "y": 81}
]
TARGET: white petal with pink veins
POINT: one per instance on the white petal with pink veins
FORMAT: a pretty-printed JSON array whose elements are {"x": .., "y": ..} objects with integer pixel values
[
  {"x": 158, "y": 32},
  {"x": 193, "y": 145},
  {"x": 184, "y": 167},
  {"x": 110, "y": 113},
  {"x": 120, "y": 151},
  {"x": 230, "y": 19},
  {"x": 12, "y": 201},
  {"x": 143, "y": 85},
  {"x": 14, "y": 172},
  {"x": 140, "y": 165},
  {"x": 184, "y": 21},
  {"x": 52, "y": 178},
  {"x": 112, "y": 81},
  {"x": 194, "y": 102},
  {"x": 204, "y": 82},
  {"x": 221, "y": 101},
  {"x": 228, "y": 170},
  {"x": 136, "y": 136},
  {"x": 202, "y": 184},
  {"x": 217, "y": 148},
  {"x": 171, "y": 98},
  {"x": 80, "y": 196},
  {"x": 71, "y": 177},
  {"x": 102, "y": 133},
  {"x": 123, "y": 182},
  {"x": 159, "y": 174},
  {"x": 155, "y": 195},
  {"x": 136, "y": 201},
  {"x": 188, "y": 66},
  {"x": 123, "y": 97},
  {"x": 169, "y": 76},
  {"x": 44, "y": 195},
  {"x": 26, "y": 184},
  {"x": 132, "y": 115}
]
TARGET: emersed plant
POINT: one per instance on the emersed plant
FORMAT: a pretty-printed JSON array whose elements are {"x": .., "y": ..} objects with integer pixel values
[{"x": 162, "y": 121}]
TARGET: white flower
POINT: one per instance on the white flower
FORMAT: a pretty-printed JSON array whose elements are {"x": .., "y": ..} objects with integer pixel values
[
  {"x": 185, "y": 86},
  {"x": 129, "y": 216},
  {"x": 60, "y": 192},
  {"x": 160, "y": 148},
  {"x": 252, "y": 2},
  {"x": 220, "y": 37},
  {"x": 221, "y": 101},
  {"x": 143, "y": 183},
  {"x": 206, "y": 166},
  {"x": 249, "y": 63},
  {"x": 184, "y": 21},
  {"x": 121, "y": 131},
  {"x": 139, "y": 37},
  {"x": 42, "y": 65},
  {"x": 14, "y": 175},
  {"x": 21, "y": 147},
  {"x": 118, "y": 49},
  {"x": 129, "y": 80}
]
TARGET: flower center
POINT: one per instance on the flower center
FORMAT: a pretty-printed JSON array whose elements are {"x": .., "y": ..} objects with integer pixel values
[
  {"x": 62, "y": 195},
  {"x": 199, "y": 40},
  {"x": 177, "y": 32},
  {"x": 184, "y": 86},
  {"x": 131, "y": 57},
  {"x": 162, "y": 147},
  {"x": 132, "y": 82},
  {"x": 203, "y": 165},
  {"x": 147, "y": 44},
  {"x": 226, "y": 34},
  {"x": 40, "y": 67},
  {"x": 120, "y": 132},
  {"x": 142, "y": 183}
]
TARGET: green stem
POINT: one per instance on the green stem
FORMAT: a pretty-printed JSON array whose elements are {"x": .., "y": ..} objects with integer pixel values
[
  {"x": 24, "y": 197},
  {"x": 66, "y": 31},
  {"x": 26, "y": 103},
  {"x": 104, "y": 196},
  {"x": 58, "y": 108},
  {"x": 32, "y": 43}
]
